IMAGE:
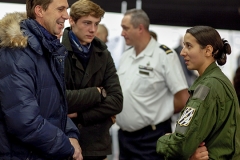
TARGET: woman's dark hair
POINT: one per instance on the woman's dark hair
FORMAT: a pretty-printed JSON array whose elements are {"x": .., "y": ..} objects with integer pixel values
[{"x": 206, "y": 35}]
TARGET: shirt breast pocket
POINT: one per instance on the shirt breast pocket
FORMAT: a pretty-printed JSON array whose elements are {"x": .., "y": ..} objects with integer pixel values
[{"x": 144, "y": 83}]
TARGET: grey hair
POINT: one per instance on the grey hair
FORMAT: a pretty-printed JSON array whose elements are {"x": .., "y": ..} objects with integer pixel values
[{"x": 138, "y": 16}]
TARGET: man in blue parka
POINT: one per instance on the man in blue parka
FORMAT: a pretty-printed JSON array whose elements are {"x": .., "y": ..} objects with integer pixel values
[{"x": 33, "y": 112}]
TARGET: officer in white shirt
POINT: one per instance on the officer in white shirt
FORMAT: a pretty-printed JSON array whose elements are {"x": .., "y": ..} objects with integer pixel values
[
  {"x": 154, "y": 88},
  {"x": 149, "y": 82}
]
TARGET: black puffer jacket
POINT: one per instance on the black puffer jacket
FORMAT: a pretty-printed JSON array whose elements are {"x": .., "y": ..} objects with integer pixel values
[{"x": 33, "y": 112}]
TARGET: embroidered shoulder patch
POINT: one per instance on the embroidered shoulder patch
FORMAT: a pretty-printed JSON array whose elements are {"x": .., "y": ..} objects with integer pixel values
[
  {"x": 186, "y": 117},
  {"x": 166, "y": 49}
]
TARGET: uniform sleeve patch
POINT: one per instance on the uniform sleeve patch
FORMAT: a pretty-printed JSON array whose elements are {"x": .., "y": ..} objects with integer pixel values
[
  {"x": 201, "y": 92},
  {"x": 186, "y": 117},
  {"x": 166, "y": 49}
]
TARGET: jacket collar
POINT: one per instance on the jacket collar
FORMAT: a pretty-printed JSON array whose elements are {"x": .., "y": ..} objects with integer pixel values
[{"x": 97, "y": 59}]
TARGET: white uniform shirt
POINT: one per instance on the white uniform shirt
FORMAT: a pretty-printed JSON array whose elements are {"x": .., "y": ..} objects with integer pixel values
[{"x": 149, "y": 82}]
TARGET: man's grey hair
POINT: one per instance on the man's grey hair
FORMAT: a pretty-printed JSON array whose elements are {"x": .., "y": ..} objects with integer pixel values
[{"x": 138, "y": 16}]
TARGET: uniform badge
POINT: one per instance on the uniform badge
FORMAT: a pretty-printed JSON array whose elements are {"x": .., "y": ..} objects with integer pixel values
[
  {"x": 145, "y": 68},
  {"x": 186, "y": 117}
]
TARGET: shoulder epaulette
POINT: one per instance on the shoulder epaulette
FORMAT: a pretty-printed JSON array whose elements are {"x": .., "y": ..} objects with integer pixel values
[{"x": 166, "y": 49}]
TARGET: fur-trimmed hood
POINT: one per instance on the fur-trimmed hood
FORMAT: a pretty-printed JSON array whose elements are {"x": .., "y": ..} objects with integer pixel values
[{"x": 10, "y": 33}]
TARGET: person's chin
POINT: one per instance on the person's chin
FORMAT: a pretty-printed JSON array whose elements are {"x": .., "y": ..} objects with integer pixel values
[
  {"x": 89, "y": 40},
  {"x": 189, "y": 67},
  {"x": 127, "y": 43},
  {"x": 85, "y": 42}
]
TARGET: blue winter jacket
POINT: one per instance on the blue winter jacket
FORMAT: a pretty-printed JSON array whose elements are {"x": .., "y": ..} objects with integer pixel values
[{"x": 33, "y": 111}]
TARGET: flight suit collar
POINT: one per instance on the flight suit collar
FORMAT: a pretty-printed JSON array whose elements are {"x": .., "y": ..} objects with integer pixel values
[{"x": 211, "y": 67}]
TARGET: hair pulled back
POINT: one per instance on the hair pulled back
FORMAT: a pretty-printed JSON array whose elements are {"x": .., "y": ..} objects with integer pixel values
[{"x": 206, "y": 35}]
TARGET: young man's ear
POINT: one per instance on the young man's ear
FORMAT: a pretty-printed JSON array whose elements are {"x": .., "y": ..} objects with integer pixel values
[{"x": 71, "y": 21}]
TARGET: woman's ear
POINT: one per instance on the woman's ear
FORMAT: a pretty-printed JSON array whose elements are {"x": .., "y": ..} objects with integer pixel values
[{"x": 209, "y": 50}]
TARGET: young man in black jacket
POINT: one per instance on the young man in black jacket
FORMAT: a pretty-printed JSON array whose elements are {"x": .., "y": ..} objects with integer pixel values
[{"x": 93, "y": 90}]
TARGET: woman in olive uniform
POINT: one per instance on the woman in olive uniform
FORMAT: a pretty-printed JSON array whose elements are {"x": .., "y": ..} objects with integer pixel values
[{"x": 211, "y": 114}]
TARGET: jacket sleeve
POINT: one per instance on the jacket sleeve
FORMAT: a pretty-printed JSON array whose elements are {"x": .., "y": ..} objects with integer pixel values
[
  {"x": 113, "y": 103},
  {"x": 79, "y": 100},
  {"x": 22, "y": 114},
  {"x": 191, "y": 130},
  {"x": 71, "y": 129}
]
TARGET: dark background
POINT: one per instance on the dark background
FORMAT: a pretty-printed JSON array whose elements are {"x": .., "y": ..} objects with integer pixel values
[{"x": 220, "y": 14}]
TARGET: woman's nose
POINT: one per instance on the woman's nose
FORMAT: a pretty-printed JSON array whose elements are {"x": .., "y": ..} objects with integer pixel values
[{"x": 182, "y": 53}]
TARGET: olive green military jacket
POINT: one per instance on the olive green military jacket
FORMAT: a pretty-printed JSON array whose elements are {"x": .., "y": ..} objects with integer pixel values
[
  {"x": 211, "y": 115},
  {"x": 94, "y": 115}
]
